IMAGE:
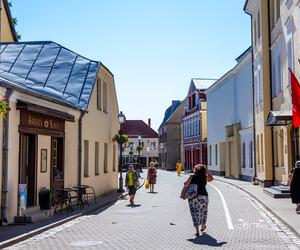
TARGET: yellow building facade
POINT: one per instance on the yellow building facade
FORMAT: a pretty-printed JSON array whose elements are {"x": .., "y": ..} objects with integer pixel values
[
  {"x": 7, "y": 30},
  {"x": 275, "y": 49}
]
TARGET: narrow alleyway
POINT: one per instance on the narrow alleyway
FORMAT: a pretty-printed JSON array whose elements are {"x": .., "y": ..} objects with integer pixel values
[{"x": 162, "y": 221}]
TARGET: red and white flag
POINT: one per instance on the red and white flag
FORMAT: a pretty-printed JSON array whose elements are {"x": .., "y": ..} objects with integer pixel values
[{"x": 295, "y": 99}]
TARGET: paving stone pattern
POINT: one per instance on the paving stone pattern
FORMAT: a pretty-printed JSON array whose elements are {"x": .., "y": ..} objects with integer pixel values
[{"x": 162, "y": 221}]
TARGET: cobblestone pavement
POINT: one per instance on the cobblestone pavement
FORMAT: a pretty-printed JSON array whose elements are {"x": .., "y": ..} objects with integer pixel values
[{"x": 162, "y": 221}]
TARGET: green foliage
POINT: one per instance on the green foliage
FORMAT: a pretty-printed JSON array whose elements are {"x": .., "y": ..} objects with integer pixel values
[
  {"x": 139, "y": 148},
  {"x": 130, "y": 152},
  {"x": 45, "y": 190},
  {"x": 120, "y": 139},
  {"x": 18, "y": 35},
  {"x": 3, "y": 107},
  {"x": 14, "y": 21}
]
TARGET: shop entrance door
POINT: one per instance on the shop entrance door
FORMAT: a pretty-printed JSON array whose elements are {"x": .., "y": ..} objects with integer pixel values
[{"x": 28, "y": 166}]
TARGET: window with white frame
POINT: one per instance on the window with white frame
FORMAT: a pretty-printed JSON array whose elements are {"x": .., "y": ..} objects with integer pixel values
[
  {"x": 244, "y": 155},
  {"x": 216, "y": 154},
  {"x": 251, "y": 154},
  {"x": 290, "y": 28},
  {"x": 258, "y": 84},
  {"x": 209, "y": 155},
  {"x": 258, "y": 25},
  {"x": 276, "y": 11},
  {"x": 99, "y": 94},
  {"x": 276, "y": 69}
]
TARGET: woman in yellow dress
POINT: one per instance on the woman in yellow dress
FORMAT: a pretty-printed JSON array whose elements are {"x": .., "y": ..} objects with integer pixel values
[{"x": 178, "y": 167}]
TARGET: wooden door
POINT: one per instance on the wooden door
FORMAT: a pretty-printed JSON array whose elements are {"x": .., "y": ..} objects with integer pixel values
[{"x": 27, "y": 165}]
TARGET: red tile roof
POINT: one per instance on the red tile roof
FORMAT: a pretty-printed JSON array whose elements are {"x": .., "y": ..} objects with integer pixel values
[{"x": 134, "y": 128}]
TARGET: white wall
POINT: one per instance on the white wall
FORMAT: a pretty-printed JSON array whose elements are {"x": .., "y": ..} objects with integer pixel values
[{"x": 229, "y": 101}]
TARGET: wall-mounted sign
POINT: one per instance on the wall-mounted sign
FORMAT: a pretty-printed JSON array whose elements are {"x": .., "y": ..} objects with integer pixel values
[{"x": 38, "y": 121}]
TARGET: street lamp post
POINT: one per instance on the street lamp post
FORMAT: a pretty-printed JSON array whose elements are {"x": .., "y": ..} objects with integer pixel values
[
  {"x": 121, "y": 119},
  {"x": 139, "y": 151}
]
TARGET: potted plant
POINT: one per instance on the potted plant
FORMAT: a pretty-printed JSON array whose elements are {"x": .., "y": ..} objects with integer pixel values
[
  {"x": 120, "y": 138},
  {"x": 45, "y": 198}
]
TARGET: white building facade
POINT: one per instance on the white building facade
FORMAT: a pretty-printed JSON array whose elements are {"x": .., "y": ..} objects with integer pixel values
[{"x": 230, "y": 122}]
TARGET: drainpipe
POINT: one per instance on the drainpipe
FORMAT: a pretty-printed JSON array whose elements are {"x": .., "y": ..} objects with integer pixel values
[
  {"x": 4, "y": 189},
  {"x": 253, "y": 106},
  {"x": 80, "y": 148}
]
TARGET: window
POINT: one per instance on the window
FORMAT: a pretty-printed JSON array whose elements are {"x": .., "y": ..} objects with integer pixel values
[
  {"x": 254, "y": 32},
  {"x": 57, "y": 158},
  {"x": 251, "y": 155},
  {"x": 142, "y": 143},
  {"x": 114, "y": 157},
  {"x": 209, "y": 155},
  {"x": 105, "y": 97},
  {"x": 276, "y": 11},
  {"x": 275, "y": 147},
  {"x": 276, "y": 70},
  {"x": 216, "y": 154},
  {"x": 258, "y": 85},
  {"x": 244, "y": 155},
  {"x": 153, "y": 145},
  {"x": 262, "y": 149},
  {"x": 257, "y": 150},
  {"x": 86, "y": 158},
  {"x": 96, "y": 158},
  {"x": 290, "y": 28},
  {"x": 258, "y": 25},
  {"x": 281, "y": 147},
  {"x": 105, "y": 157},
  {"x": 99, "y": 94}
]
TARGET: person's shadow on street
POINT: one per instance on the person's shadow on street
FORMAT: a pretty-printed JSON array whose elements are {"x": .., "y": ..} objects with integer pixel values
[
  {"x": 133, "y": 205},
  {"x": 206, "y": 239}
]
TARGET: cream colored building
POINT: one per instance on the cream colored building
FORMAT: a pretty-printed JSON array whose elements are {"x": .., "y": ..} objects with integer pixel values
[
  {"x": 62, "y": 118},
  {"x": 7, "y": 30},
  {"x": 275, "y": 36}
]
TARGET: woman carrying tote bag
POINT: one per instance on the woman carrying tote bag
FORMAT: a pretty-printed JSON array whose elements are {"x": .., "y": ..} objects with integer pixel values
[{"x": 199, "y": 204}]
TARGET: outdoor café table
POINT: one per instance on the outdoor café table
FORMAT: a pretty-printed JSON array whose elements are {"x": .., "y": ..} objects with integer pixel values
[{"x": 63, "y": 198}]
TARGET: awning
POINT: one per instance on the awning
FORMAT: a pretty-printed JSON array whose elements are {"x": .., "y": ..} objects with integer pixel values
[{"x": 279, "y": 118}]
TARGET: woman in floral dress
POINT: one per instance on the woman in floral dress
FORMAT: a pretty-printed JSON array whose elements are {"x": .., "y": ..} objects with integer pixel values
[{"x": 151, "y": 176}]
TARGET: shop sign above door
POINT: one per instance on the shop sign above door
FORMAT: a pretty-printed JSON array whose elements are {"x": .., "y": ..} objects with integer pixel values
[{"x": 41, "y": 122}]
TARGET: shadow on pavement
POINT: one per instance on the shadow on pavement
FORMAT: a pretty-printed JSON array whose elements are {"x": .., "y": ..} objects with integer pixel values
[
  {"x": 206, "y": 239},
  {"x": 134, "y": 205},
  {"x": 152, "y": 192}
]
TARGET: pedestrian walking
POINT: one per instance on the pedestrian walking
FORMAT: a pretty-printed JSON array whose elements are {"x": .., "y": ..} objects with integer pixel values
[
  {"x": 199, "y": 203},
  {"x": 151, "y": 176},
  {"x": 132, "y": 183},
  {"x": 178, "y": 167},
  {"x": 294, "y": 180}
]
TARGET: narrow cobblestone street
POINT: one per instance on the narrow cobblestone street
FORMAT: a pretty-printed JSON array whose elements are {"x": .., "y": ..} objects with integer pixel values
[{"x": 162, "y": 221}]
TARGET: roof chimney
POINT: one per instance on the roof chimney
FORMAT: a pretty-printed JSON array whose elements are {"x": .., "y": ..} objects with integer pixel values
[{"x": 149, "y": 122}]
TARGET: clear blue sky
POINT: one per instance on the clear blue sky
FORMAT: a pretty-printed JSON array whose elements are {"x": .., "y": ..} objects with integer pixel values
[{"x": 153, "y": 47}]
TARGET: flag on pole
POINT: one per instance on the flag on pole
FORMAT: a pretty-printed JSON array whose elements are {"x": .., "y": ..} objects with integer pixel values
[{"x": 295, "y": 99}]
